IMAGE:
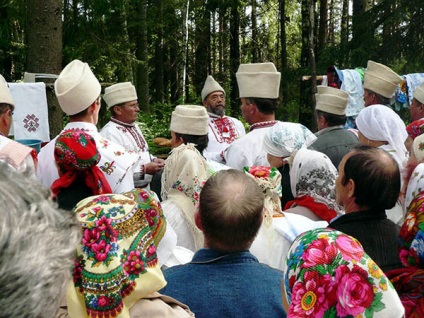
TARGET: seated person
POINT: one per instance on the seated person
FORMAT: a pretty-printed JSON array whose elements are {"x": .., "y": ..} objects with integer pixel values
[
  {"x": 224, "y": 279},
  {"x": 116, "y": 271},
  {"x": 328, "y": 274},
  {"x": 37, "y": 244}
]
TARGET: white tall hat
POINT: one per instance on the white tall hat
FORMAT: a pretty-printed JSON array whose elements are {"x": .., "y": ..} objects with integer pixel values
[
  {"x": 211, "y": 86},
  {"x": 76, "y": 87},
  {"x": 5, "y": 96},
  {"x": 381, "y": 79},
  {"x": 119, "y": 93},
  {"x": 190, "y": 120},
  {"x": 331, "y": 100},
  {"x": 259, "y": 80},
  {"x": 419, "y": 93}
]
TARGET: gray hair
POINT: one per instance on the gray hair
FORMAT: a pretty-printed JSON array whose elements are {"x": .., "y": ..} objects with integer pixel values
[{"x": 37, "y": 245}]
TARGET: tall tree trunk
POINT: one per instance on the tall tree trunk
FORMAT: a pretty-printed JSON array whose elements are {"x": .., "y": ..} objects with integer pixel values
[
  {"x": 158, "y": 88},
  {"x": 284, "y": 61},
  {"x": 202, "y": 40},
  {"x": 141, "y": 52},
  {"x": 234, "y": 57},
  {"x": 255, "y": 56},
  {"x": 44, "y": 54},
  {"x": 344, "y": 33},
  {"x": 323, "y": 24}
]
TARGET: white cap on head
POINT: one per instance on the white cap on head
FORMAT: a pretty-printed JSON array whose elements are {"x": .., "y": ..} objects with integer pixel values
[
  {"x": 190, "y": 120},
  {"x": 259, "y": 80},
  {"x": 418, "y": 148},
  {"x": 76, "y": 87},
  {"x": 419, "y": 93},
  {"x": 331, "y": 100},
  {"x": 381, "y": 79},
  {"x": 5, "y": 96},
  {"x": 119, "y": 93},
  {"x": 211, "y": 86}
]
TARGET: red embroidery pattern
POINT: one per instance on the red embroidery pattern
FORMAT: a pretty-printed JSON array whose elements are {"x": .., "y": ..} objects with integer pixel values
[
  {"x": 224, "y": 130},
  {"x": 262, "y": 125},
  {"x": 31, "y": 123}
]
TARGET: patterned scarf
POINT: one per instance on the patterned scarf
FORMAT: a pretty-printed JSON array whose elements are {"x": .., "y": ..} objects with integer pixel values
[
  {"x": 76, "y": 156},
  {"x": 328, "y": 274},
  {"x": 415, "y": 128},
  {"x": 313, "y": 184},
  {"x": 116, "y": 262}
]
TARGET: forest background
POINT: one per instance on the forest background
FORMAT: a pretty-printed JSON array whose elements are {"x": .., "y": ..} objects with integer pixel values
[{"x": 168, "y": 47}]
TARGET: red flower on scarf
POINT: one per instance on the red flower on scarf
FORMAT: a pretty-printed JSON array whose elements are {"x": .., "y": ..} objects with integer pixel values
[
  {"x": 134, "y": 264},
  {"x": 319, "y": 252},
  {"x": 90, "y": 237},
  {"x": 260, "y": 171},
  {"x": 101, "y": 250}
]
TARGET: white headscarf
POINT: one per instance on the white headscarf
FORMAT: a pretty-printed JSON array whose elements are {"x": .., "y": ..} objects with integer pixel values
[
  {"x": 312, "y": 173},
  {"x": 415, "y": 184},
  {"x": 379, "y": 122},
  {"x": 183, "y": 177},
  {"x": 285, "y": 137}
]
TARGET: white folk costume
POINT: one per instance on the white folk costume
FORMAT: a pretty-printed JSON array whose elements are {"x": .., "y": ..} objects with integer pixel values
[
  {"x": 278, "y": 229},
  {"x": 223, "y": 131},
  {"x": 116, "y": 162},
  {"x": 130, "y": 137},
  {"x": 19, "y": 156},
  {"x": 248, "y": 151}
]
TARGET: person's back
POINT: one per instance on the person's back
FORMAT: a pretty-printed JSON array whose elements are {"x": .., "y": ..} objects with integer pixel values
[{"x": 224, "y": 279}]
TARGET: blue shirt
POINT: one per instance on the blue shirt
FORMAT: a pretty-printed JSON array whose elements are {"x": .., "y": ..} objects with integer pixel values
[{"x": 216, "y": 284}]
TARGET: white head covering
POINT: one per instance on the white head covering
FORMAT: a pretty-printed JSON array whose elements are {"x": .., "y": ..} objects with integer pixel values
[
  {"x": 313, "y": 174},
  {"x": 190, "y": 119},
  {"x": 379, "y": 122},
  {"x": 5, "y": 96},
  {"x": 381, "y": 79},
  {"x": 415, "y": 185},
  {"x": 331, "y": 100},
  {"x": 285, "y": 137},
  {"x": 259, "y": 80},
  {"x": 76, "y": 87},
  {"x": 418, "y": 148},
  {"x": 119, "y": 93},
  {"x": 211, "y": 86},
  {"x": 183, "y": 177},
  {"x": 419, "y": 93}
]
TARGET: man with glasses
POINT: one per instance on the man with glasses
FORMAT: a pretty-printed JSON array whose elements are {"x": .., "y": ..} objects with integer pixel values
[
  {"x": 223, "y": 130},
  {"x": 122, "y": 101}
]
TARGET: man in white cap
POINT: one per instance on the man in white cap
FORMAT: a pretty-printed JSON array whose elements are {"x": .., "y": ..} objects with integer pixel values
[
  {"x": 223, "y": 130},
  {"x": 78, "y": 92},
  {"x": 122, "y": 101},
  {"x": 330, "y": 110},
  {"x": 17, "y": 155},
  {"x": 259, "y": 85},
  {"x": 416, "y": 109},
  {"x": 380, "y": 83}
]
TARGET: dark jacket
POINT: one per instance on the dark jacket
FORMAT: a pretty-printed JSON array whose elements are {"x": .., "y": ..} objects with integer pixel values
[{"x": 377, "y": 234}]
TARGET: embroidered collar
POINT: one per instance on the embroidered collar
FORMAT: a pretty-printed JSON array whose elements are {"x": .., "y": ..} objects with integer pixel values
[
  {"x": 116, "y": 121},
  {"x": 215, "y": 116},
  {"x": 263, "y": 124}
]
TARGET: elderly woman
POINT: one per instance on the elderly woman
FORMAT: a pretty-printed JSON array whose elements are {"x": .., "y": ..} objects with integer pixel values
[
  {"x": 116, "y": 272},
  {"x": 76, "y": 158},
  {"x": 313, "y": 185},
  {"x": 328, "y": 274},
  {"x": 279, "y": 143},
  {"x": 185, "y": 172},
  {"x": 37, "y": 243},
  {"x": 279, "y": 229}
]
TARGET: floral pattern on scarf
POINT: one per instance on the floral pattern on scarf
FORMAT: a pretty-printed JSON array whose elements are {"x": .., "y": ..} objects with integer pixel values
[
  {"x": 116, "y": 262},
  {"x": 328, "y": 274}
]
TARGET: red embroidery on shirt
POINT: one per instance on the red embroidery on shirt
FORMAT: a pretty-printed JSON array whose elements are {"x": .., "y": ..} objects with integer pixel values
[{"x": 224, "y": 130}]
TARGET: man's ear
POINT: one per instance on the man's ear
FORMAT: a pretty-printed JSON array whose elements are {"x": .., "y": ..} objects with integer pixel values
[
  {"x": 351, "y": 188},
  {"x": 197, "y": 220}
]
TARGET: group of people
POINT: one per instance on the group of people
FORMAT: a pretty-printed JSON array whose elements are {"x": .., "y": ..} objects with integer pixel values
[{"x": 274, "y": 222}]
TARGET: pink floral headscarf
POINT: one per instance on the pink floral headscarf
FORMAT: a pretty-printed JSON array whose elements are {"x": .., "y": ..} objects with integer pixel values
[
  {"x": 116, "y": 262},
  {"x": 328, "y": 274}
]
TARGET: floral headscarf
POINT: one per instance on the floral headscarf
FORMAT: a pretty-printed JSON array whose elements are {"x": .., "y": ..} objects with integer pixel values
[
  {"x": 313, "y": 183},
  {"x": 415, "y": 185},
  {"x": 183, "y": 177},
  {"x": 116, "y": 263},
  {"x": 285, "y": 137},
  {"x": 415, "y": 128},
  {"x": 76, "y": 155},
  {"x": 379, "y": 122},
  {"x": 269, "y": 179},
  {"x": 328, "y": 274}
]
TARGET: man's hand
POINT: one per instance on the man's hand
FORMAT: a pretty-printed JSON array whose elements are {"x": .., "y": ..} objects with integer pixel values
[{"x": 155, "y": 166}]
